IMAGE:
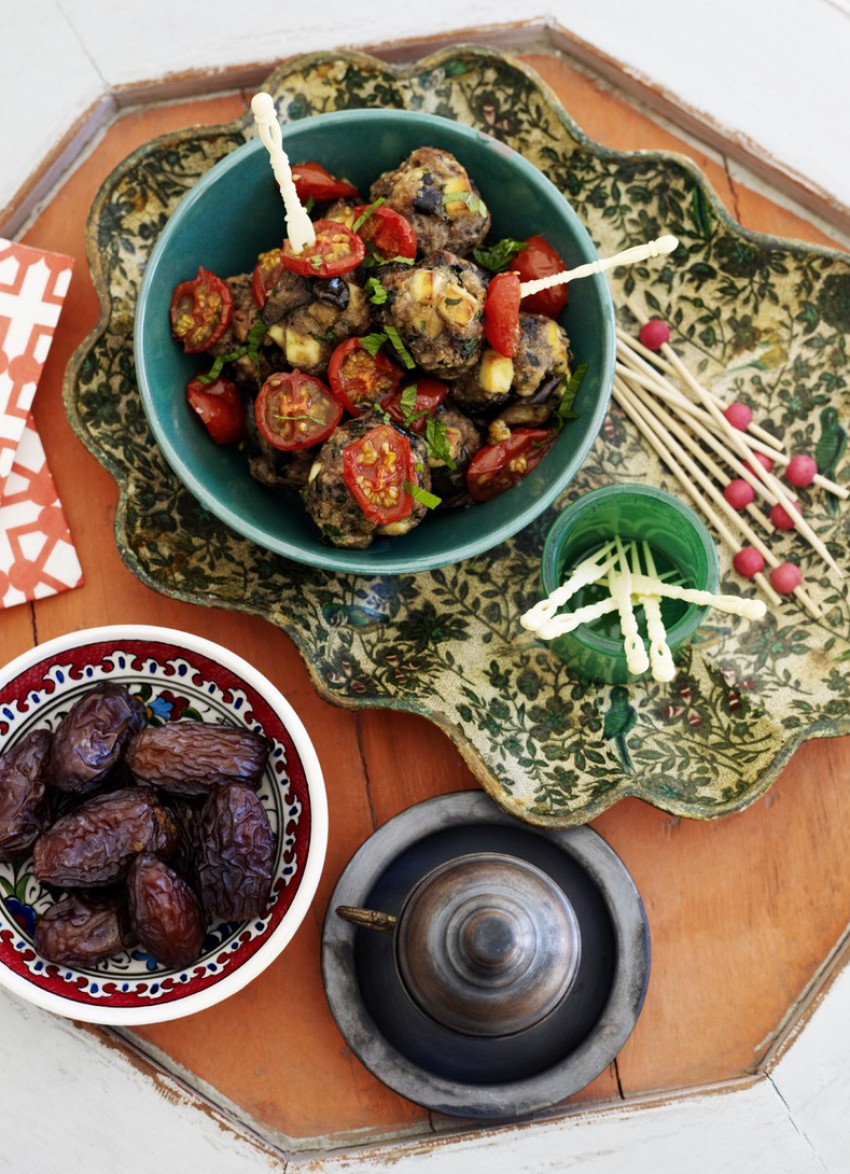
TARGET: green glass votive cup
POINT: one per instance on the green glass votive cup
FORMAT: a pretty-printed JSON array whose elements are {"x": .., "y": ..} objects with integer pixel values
[{"x": 682, "y": 551}]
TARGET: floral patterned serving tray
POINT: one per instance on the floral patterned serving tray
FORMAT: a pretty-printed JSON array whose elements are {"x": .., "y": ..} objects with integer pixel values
[{"x": 764, "y": 319}]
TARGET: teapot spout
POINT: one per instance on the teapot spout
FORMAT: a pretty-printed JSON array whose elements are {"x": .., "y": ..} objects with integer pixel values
[{"x": 367, "y": 918}]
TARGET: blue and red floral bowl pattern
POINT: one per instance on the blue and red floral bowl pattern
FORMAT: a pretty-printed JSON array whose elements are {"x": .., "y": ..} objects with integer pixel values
[{"x": 176, "y": 676}]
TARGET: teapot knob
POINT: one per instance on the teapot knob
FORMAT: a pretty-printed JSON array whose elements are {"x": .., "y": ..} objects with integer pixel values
[{"x": 490, "y": 939}]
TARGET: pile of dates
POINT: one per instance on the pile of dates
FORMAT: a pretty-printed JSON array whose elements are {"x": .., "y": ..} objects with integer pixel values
[{"x": 145, "y": 833}]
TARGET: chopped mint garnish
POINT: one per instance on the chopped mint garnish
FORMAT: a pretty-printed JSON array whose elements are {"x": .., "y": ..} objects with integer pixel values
[
  {"x": 377, "y": 293},
  {"x": 565, "y": 407},
  {"x": 421, "y": 495},
  {"x": 400, "y": 349},
  {"x": 499, "y": 256},
  {"x": 372, "y": 343},
  {"x": 366, "y": 213}
]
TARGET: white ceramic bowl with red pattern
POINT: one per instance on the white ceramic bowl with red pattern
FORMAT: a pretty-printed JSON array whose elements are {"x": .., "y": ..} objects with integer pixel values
[{"x": 177, "y": 676}]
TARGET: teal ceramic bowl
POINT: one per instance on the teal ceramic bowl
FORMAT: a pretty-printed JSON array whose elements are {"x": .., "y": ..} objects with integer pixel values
[
  {"x": 680, "y": 542},
  {"x": 235, "y": 212}
]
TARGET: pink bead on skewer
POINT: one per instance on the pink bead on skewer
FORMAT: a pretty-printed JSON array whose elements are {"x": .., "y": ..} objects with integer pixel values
[
  {"x": 748, "y": 562},
  {"x": 781, "y": 519},
  {"x": 737, "y": 441},
  {"x": 801, "y": 470},
  {"x": 739, "y": 493},
  {"x": 786, "y": 578},
  {"x": 692, "y": 480},
  {"x": 739, "y": 416},
  {"x": 654, "y": 333},
  {"x": 763, "y": 459}
]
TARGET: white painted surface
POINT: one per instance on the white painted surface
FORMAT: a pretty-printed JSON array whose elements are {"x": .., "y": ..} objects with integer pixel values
[
  {"x": 72, "y": 1104},
  {"x": 47, "y": 83},
  {"x": 773, "y": 73},
  {"x": 813, "y": 1079},
  {"x": 69, "y": 1104},
  {"x": 746, "y": 1132}
]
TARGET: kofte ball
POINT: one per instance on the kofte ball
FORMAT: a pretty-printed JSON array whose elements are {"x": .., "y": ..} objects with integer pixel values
[
  {"x": 433, "y": 191},
  {"x": 437, "y": 307}
]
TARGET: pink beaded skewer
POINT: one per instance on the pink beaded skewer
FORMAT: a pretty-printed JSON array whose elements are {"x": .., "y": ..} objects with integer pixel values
[
  {"x": 702, "y": 492},
  {"x": 757, "y": 438},
  {"x": 735, "y": 440}
]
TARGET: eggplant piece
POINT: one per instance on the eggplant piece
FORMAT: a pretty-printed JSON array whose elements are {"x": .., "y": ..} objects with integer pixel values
[
  {"x": 332, "y": 290},
  {"x": 97, "y": 843},
  {"x": 542, "y": 351},
  {"x": 309, "y": 332},
  {"x": 24, "y": 798},
  {"x": 534, "y": 377},
  {"x": 90, "y": 740},
  {"x": 191, "y": 758},
  {"x": 165, "y": 913},
  {"x": 533, "y": 412},
  {"x": 288, "y": 293},
  {"x": 77, "y": 932}
]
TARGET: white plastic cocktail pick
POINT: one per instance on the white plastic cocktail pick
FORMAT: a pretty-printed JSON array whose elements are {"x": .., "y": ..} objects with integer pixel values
[
  {"x": 749, "y": 609},
  {"x": 299, "y": 227},
  {"x": 660, "y": 656},
  {"x": 661, "y": 247},
  {"x": 590, "y": 570},
  {"x": 621, "y": 587},
  {"x": 570, "y": 620}
]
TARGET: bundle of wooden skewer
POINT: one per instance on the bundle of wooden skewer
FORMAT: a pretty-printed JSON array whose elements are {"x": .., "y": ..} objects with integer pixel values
[{"x": 688, "y": 428}]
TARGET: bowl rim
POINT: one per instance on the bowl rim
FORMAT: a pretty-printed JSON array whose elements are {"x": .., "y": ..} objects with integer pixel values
[
  {"x": 352, "y": 560},
  {"x": 302, "y": 900},
  {"x": 689, "y": 621}
]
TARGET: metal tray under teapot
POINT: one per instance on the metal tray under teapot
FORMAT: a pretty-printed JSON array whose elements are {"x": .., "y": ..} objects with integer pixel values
[{"x": 513, "y": 965}]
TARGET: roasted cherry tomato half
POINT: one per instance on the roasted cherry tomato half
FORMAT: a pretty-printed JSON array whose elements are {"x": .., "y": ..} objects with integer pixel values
[
  {"x": 387, "y": 231},
  {"x": 201, "y": 310},
  {"x": 219, "y": 405},
  {"x": 541, "y": 260},
  {"x": 294, "y": 411},
  {"x": 266, "y": 272},
  {"x": 359, "y": 379},
  {"x": 336, "y": 250},
  {"x": 429, "y": 394},
  {"x": 497, "y": 467},
  {"x": 375, "y": 469},
  {"x": 312, "y": 180},
  {"x": 501, "y": 314}
]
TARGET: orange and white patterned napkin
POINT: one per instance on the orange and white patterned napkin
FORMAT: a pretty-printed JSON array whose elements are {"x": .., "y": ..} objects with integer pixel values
[{"x": 37, "y": 556}]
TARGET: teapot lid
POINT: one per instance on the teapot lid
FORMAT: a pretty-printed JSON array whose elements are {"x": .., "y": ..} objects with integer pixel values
[{"x": 487, "y": 944}]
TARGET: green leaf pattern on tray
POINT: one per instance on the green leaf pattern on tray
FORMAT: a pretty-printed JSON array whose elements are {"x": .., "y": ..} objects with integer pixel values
[{"x": 756, "y": 318}]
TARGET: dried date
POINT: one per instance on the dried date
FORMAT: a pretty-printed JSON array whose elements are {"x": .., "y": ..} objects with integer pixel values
[
  {"x": 164, "y": 912},
  {"x": 91, "y": 738},
  {"x": 235, "y": 854},
  {"x": 191, "y": 758},
  {"x": 24, "y": 800},
  {"x": 96, "y": 844},
  {"x": 76, "y": 932}
]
